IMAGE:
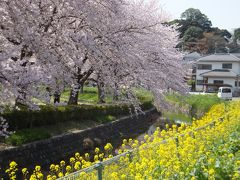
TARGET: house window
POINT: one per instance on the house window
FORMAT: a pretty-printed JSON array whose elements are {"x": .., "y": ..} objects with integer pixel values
[
  {"x": 217, "y": 82},
  {"x": 236, "y": 83},
  {"x": 227, "y": 66},
  {"x": 200, "y": 82},
  {"x": 205, "y": 66}
]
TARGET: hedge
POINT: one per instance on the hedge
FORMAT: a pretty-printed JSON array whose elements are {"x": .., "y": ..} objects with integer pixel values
[{"x": 50, "y": 115}]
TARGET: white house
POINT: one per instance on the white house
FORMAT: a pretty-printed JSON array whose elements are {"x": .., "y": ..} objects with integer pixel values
[{"x": 218, "y": 70}]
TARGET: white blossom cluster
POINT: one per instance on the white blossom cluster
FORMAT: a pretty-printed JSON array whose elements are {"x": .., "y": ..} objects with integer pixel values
[{"x": 4, "y": 128}]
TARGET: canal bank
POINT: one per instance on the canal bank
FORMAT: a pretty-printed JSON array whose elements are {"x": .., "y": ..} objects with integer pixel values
[{"x": 55, "y": 149}]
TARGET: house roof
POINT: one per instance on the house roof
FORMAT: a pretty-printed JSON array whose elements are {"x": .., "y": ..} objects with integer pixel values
[
  {"x": 220, "y": 57},
  {"x": 236, "y": 54},
  {"x": 219, "y": 73},
  {"x": 192, "y": 56}
]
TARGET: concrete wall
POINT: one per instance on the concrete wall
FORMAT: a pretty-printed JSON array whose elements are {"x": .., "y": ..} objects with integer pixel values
[{"x": 62, "y": 147}]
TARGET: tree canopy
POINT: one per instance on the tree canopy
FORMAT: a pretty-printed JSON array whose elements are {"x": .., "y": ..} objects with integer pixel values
[
  {"x": 47, "y": 46},
  {"x": 237, "y": 34},
  {"x": 197, "y": 33},
  {"x": 192, "y": 34},
  {"x": 194, "y": 17}
]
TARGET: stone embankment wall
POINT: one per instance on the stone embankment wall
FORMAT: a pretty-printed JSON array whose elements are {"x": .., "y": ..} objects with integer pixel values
[{"x": 64, "y": 146}]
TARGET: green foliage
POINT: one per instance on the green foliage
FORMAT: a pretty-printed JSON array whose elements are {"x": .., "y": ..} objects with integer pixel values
[
  {"x": 201, "y": 104},
  {"x": 198, "y": 35},
  {"x": 106, "y": 118},
  {"x": 237, "y": 34},
  {"x": 190, "y": 82},
  {"x": 192, "y": 34},
  {"x": 178, "y": 116},
  {"x": 144, "y": 95},
  {"x": 194, "y": 17},
  {"x": 31, "y": 125},
  {"x": 90, "y": 95},
  {"x": 194, "y": 106},
  {"x": 221, "y": 32},
  {"x": 27, "y": 135},
  {"x": 50, "y": 115},
  {"x": 234, "y": 47}
]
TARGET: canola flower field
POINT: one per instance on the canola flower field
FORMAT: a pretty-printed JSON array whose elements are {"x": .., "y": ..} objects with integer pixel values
[{"x": 207, "y": 149}]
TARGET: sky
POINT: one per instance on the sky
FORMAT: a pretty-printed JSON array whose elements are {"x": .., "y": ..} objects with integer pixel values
[{"x": 224, "y": 14}]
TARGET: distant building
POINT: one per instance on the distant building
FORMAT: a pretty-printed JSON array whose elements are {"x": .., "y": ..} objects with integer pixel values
[
  {"x": 192, "y": 57},
  {"x": 216, "y": 70},
  {"x": 189, "y": 61}
]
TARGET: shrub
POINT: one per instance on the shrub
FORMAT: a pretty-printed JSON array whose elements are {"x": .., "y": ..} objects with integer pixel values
[
  {"x": 106, "y": 118},
  {"x": 27, "y": 135},
  {"x": 191, "y": 106},
  {"x": 50, "y": 115},
  {"x": 201, "y": 103}
]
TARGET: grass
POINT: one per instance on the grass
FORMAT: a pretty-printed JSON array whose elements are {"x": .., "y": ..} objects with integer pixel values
[
  {"x": 90, "y": 95},
  {"x": 24, "y": 136},
  {"x": 27, "y": 135},
  {"x": 178, "y": 116},
  {"x": 144, "y": 95},
  {"x": 190, "y": 106}
]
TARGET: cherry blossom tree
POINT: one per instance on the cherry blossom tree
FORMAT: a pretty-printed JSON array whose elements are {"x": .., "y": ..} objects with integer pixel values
[
  {"x": 62, "y": 43},
  {"x": 142, "y": 51},
  {"x": 132, "y": 47}
]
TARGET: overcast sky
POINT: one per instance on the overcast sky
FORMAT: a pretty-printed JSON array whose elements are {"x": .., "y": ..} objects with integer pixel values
[{"x": 224, "y": 14}]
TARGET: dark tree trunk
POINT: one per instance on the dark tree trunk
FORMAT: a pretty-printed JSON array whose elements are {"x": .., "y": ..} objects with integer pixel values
[
  {"x": 81, "y": 89},
  {"x": 116, "y": 93},
  {"x": 73, "y": 99},
  {"x": 101, "y": 93},
  {"x": 21, "y": 99},
  {"x": 19, "y": 102},
  {"x": 80, "y": 79},
  {"x": 57, "y": 96}
]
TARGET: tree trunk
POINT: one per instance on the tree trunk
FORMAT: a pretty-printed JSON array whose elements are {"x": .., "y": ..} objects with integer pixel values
[
  {"x": 81, "y": 89},
  {"x": 81, "y": 78},
  {"x": 73, "y": 99},
  {"x": 57, "y": 96},
  {"x": 116, "y": 93},
  {"x": 21, "y": 99},
  {"x": 101, "y": 93}
]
